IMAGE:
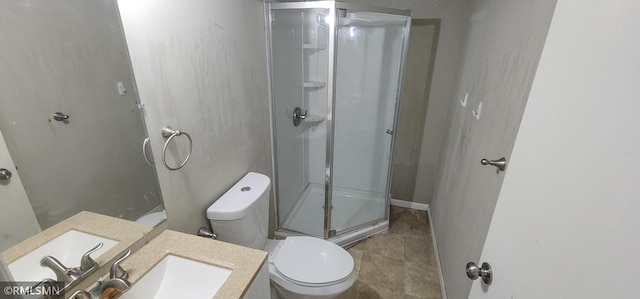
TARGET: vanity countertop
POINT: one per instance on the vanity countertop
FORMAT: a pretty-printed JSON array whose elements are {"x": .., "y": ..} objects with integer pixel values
[
  {"x": 124, "y": 231},
  {"x": 244, "y": 262}
]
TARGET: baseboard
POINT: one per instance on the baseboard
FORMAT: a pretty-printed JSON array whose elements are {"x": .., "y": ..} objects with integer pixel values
[
  {"x": 435, "y": 249},
  {"x": 409, "y": 204}
]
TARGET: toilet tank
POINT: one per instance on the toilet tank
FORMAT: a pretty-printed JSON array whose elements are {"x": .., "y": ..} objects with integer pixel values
[{"x": 241, "y": 215}]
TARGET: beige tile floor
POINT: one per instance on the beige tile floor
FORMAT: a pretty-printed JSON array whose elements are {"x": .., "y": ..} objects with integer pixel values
[{"x": 399, "y": 263}]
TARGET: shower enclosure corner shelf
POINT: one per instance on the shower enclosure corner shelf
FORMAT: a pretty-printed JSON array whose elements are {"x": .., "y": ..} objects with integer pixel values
[
  {"x": 314, "y": 118},
  {"x": 314, "y": 46},
  {"x": 314, "y": 84},
  {"x": 348, "y": 78}
]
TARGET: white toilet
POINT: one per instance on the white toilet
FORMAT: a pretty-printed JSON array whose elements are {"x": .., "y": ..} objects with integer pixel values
[{"x": 299, "y": 267}]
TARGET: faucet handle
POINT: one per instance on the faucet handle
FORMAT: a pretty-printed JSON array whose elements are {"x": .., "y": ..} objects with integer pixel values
[
  {"x": 110, "y": 288},
  {"x": 116, "y": 270},
  {"x": 87, "y": 262}
]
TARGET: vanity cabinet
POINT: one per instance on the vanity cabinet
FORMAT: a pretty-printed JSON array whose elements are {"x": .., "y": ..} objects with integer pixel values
[{"x": 260, "y": 288}]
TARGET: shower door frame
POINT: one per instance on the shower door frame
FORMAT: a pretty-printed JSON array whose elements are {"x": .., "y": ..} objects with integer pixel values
[{"x": 334, "y": 9}]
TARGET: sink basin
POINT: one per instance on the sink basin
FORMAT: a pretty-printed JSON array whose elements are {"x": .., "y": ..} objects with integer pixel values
[
  {"x": 176, "y": 277},
  {"x": 68, "y": 248}
]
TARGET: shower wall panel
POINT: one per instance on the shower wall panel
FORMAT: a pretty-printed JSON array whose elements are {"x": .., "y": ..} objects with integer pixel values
[{"x": 316, "y": 64}]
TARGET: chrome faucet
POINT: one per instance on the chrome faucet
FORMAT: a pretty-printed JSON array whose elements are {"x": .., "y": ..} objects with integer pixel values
[
  {"x": 117, "y": 280},
  {"x": 116, "y": 270},
  {"x": 71, "y": 276},
  {"x": 86, "y": 262},
  {"x": 63, "y": 273}
]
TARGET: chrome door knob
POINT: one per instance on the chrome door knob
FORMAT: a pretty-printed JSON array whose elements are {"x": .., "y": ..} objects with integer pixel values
[
  {"x": 5, "y": 174},
  {"x": 473, "y": 272}
]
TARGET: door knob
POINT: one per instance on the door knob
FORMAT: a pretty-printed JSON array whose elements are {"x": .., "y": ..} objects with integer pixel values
[
  {"x": 501, "y": 163},
  {"x": 5, "y": 174},
  {"x": 473, "y": 272}
]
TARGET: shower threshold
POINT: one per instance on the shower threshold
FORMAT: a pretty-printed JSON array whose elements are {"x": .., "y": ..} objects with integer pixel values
[{"x": 356, "y": 214}]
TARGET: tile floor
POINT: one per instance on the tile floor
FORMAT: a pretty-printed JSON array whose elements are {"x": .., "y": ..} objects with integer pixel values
[{"x": 400, "y": 263}]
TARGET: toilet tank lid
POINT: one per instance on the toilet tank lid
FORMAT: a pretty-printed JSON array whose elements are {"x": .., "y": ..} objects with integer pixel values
[{"x": 237, "y": 201}]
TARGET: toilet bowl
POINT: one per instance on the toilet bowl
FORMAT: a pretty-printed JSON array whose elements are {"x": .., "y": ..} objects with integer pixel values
[
  {"x": 307, "y": 267},
  {"x": 299, "y": 267},
  {"x": 152, "y": 219}
]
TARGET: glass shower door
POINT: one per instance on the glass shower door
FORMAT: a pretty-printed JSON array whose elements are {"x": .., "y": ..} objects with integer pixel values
[
  {"x": 370, "y": 59},
  {"x": 299, "y": 58},
  {"x": 335, "y": 83}
]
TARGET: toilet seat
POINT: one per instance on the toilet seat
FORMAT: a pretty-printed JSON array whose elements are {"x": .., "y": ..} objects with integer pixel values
[
  {"x": 311, "y": 261},
  {"x": 291, "y": 260}
]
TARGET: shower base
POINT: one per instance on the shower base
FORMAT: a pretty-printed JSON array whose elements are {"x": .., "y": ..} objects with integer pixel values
[{"x": 350, "y": 208}]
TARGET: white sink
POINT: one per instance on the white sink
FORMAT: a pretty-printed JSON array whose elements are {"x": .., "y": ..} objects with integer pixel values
[
  {"x": 68, "y": 248},
  {"x": 176, "y": 277}
]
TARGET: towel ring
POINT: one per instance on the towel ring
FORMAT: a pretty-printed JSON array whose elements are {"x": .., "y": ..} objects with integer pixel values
[{"x": 170, "y": 133}]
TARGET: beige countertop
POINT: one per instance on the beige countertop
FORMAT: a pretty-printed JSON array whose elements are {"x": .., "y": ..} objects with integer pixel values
[
  {"x": 245, "y": 263},
  {"x": 124, "y": 231}
]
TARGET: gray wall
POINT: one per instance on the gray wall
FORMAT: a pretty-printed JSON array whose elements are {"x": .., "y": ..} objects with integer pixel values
[
  {"x": 423, "y": 41},
  {"x": 504, "y": 41},
  {"x": 166, "y": 96},
  {"x": 201, "y": 67}
]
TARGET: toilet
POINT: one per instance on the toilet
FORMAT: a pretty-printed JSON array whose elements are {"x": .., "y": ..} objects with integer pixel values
[
  {"x": 152, "y": 219},
  {"x": 299, "y": 267}
]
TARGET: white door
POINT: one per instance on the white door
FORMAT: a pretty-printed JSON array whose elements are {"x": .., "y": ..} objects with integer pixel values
[
  {"x": 566, "y": 222},
  {"x": 17, "y": 220}
]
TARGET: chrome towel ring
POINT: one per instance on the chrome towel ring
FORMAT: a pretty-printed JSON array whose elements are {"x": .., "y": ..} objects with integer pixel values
[{"x": 170, "y": 133}]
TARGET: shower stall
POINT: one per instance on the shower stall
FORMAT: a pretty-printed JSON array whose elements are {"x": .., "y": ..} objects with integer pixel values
[{"x": 336, "y": 76}]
